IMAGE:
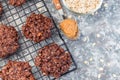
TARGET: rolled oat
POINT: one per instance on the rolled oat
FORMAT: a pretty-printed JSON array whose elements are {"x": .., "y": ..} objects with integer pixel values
[{"x": 82, "y": 6}]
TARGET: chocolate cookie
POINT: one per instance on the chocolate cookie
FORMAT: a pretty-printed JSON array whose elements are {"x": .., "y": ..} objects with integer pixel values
[
  {"x": 16, "y": 2},
  {"x": 53, "y": 60},
  {"x": 8, "y": 40},
  {"x": 14, "y": 70},
  {"x": 1, "y": 9},
  {"x": 37, "y": 27}
]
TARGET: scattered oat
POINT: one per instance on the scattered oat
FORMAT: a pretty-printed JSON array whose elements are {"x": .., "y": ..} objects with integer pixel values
[
  {"x": 38, "y": 5},
  {"x": 82, "y": 6},
  {"x": 93, "y": 44},
  {"x": 114, "y": 75},
  {"x": 101, "y": 69},
  {"x": 91, "y": 59},
  {"x": 70, "y": 16},
  {"x": 96, "y": 12},
  {"x": 98, "y": 35},
  {"x": 101, "y": 60},
  {"x": 65, "y": 14},
  {"x": 105, "y": 5},
  {"x": 93, "y": 13},
  {"x": 42, "y": 9},
  {"x": 78, "y": 16},
  {"x": 99, "y": 76},
  {"x": 108, "y": 64},
  {"x": 85, "y": 39},
  {"x": 86, "y": 62}
]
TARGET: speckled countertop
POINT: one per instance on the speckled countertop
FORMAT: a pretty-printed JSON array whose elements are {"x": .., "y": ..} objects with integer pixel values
[{"x": 97, "y": 50}]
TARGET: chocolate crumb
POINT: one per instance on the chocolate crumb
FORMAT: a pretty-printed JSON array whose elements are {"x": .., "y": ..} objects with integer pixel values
[{"x": 16, "y": 2}]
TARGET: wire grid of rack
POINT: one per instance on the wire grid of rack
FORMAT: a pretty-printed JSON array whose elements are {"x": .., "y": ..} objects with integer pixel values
[{"x": 16, "y": 17}]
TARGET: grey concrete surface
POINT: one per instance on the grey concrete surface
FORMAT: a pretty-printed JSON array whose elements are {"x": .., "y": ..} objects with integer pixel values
[{"x": 97, "y": 50}]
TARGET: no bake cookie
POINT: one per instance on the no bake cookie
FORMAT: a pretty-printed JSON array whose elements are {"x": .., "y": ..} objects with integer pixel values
[
  {"x": 53, "y": 60},
  {"x": 8, "y": 40},
  {"x": 37, "y": 27}
]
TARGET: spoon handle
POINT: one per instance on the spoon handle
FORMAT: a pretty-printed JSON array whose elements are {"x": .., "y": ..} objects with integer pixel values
[
  {"x": 59, "y": 8},
  {"x": 57, "y": 4}
]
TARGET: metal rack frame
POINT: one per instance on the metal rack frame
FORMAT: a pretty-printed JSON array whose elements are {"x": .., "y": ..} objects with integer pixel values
[{"x": 16, "y": 16}]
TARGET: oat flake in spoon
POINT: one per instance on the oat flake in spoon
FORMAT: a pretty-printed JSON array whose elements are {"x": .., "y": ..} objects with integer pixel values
[{"x": 83, "y": 6}]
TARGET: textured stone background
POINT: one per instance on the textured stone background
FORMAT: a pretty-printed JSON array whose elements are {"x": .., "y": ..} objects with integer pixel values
[{"x": 97, "y": 50}]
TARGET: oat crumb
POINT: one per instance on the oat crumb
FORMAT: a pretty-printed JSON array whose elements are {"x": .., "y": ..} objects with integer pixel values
[
  {"x": 86, "y": 62},
  {"x": 101, "y": 60},
  {"x": 105, "y": 5},
  {"x": 70, "y": 16},
  {"x": 96, "y": 12},
  {"x": 91, "y": 59},
  {"x": 93, "y": 44},
  {"x": 99, "y": 76},
  {"x": 114, "y": 75},
  {"x": 101, "y": 69},
  {"x": 93, "y": 13},
  {"x": 98, "y": 35},
  {"x": 108, "y": 64}
]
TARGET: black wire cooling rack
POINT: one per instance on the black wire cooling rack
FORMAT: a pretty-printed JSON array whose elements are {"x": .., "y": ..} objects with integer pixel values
[{"x": 16, "y": 17}]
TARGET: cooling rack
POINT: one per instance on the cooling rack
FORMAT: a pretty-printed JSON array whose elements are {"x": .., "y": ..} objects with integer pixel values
[{"x": 16, "y": 17}]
